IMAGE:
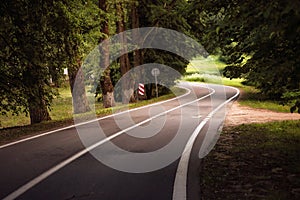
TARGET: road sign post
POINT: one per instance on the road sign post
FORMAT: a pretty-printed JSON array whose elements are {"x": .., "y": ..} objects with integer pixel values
[{"x": 155, "y": 72}]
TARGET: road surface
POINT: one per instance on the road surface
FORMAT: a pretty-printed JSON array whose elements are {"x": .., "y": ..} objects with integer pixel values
[{"x": 157, "y": 154}]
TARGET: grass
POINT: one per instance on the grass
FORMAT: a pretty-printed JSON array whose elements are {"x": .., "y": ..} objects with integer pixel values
[
  {"x": 62, "y": 105},
  {"x": 269, "y": 105},
  {"x": 61, "y": 109},
  {"x": 207, "y": 78},
  {"x": 16, "y": 127},
  {"x": 210, "y": 65},
  {"x": 252, "y": 98},
  {"x": 209, "y": 71},
  {"x": 200, "y": 70},
  {"x": 257, "y": 161}
]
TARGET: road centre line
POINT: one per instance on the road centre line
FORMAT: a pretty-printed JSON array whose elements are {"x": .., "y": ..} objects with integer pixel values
[
  {"x": 98, "y": 119},
  {"x": 180, "y": 183},
  {"x": 54, "y": 169}
]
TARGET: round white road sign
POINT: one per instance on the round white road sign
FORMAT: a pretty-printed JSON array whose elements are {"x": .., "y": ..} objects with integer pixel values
[{"x": 155, "y": 72}]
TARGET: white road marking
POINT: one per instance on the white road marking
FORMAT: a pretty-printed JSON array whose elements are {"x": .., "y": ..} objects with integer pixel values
[
  {"x": 54, "y": 169},
  {"x": 98, "y": 119},
  {"x": 196, "y": 117},
  {"x": 180, "y": 184}
]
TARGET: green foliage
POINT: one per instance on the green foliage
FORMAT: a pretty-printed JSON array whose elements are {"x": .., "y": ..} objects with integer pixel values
[
  {"x": 26, "y": 36},
  {"x": 295, "y": 107},
  {"x": 167, "y": 14},
  {"x": 39, "y": 39},
  {"x": 295, "y": 98},
  {"x": 78, "y": 27},
  {"x": 259, "y": 41}
]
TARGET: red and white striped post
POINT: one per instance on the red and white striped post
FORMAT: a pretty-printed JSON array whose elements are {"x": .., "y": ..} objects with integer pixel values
[{"x": 141, "y": 90}]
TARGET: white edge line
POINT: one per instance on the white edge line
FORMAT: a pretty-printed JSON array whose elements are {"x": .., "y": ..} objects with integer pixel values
[
  {"x": 98, "y": 119},
  {"x": 180, "y": 183},
  {"x": 54, "y": 169}
]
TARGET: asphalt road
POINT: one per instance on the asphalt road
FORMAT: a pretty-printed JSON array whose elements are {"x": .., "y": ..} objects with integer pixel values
[{"x": 148, "y": 153}]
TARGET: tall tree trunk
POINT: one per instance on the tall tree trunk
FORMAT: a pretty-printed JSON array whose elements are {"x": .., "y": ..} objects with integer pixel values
[
  {"x": 137, "y": 59},
  {"x": 127, "y": 83},
  {"x": 34, "y": 80},
  {"x": 149, "y": 90},
  {"x": 105, "y": 80},
  {"x": 38, "y": 110},
  {"x": 137, "y": 54},
  {"x": 76, "y": 80},
  {"x": 107, "y": 89}
]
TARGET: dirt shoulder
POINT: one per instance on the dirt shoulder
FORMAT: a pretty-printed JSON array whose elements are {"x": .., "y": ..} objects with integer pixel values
[
  {"x": 254, "y": 161},
  {"x": 238, "y": 115}
]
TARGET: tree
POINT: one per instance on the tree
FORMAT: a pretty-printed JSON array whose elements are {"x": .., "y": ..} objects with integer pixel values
[
  {"x": 39, "y": 39},
  {"x": 127, "y": 84},
  {"x": 258, "y": 40},
  {"x": 105, "y": 80},
  {"x": 166, "y": 14},
  {"x": 135, "y": 24},
  {"x": 73, "y": 27},
  {"x": 134, "y": 14},
  {"x": 24, "y": 62}
]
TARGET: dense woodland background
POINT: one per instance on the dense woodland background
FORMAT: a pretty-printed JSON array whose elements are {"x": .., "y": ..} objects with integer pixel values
[{"x": 258, "y": 40}]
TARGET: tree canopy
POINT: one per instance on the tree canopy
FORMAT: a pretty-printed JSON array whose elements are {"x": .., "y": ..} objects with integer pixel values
[
  {"x": 39, "y": 39},
  {"x": 26, "y": 54},
  {"x": 258, "y": 40}
]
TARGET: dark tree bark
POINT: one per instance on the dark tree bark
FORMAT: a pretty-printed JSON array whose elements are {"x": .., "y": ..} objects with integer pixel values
[
  {"x": 105, "y": 80},
  {"x": 37, "y": 97},
  {"x": 128, "y": 82},
  {"x": 37, "y": 104},
  {"x": 149, "y": 89},
  {"x": 107, "y": 89},
  {"x": 137, "y": 54},
  {"x": 38, "y": 110}
]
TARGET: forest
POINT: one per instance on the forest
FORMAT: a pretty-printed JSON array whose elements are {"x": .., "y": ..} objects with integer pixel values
[{"x": 257, "y": 40}]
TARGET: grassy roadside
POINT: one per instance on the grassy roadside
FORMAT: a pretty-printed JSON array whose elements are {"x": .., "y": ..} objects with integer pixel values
[
  {"x": 257, "y": 161},
  {"x": 252, "y": 98},
  {"x": 18, "y": 127},
  {"x": 209, "y": 71}
]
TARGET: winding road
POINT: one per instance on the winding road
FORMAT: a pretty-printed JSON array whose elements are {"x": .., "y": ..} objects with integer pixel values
[{"x": 151, "y": 152}]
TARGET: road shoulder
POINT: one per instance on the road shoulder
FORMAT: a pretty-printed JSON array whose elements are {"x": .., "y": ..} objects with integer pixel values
[{"x": 256, "y": 156}]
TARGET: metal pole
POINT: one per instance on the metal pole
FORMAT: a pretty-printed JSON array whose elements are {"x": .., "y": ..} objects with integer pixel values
[
  {"x": 156, "y": 86},
  {"x": 137, "y": 92}
]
